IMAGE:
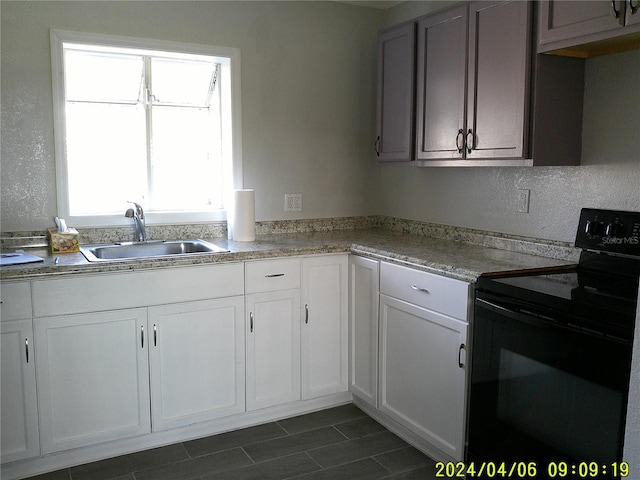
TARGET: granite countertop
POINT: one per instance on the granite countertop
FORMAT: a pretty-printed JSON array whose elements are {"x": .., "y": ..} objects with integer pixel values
[{"x": 451, "y": 257}]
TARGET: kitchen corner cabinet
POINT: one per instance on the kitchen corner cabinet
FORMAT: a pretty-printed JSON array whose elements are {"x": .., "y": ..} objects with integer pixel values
[
  {"x": 364, "y": 285},
  {"x": 423, "y": 346},
  {"x": 325, "y": 325},
  {"x": 588, "y": 28},
  {"x": 482, "y": 98},
  {"x": 473, "y": 82},
  {"x": 273, "y": 332},
  {"x": 196, "y": 356},
  {"x": 93, "y": 378},
  {"x": 20, "y": 431},
  {"x": 395, "y": 94}
]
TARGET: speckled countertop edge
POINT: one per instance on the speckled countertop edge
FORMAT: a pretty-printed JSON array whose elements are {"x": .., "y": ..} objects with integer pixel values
[{"x": 457, "y": 253}]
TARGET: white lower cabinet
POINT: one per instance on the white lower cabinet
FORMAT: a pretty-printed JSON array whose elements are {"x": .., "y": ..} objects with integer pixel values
[
  {"x": 101, "y": 364},
  {"x": 19, "y": 403},
  {"x": 324, "y": 328},
  {"x": 93, "y": 377},
  {"x": 273, "y": 348},
  {"x": 364, "y": 286},
  {"x": 422, "y": 375},
  {"x": 408, "y": 352},
  {"x": 196, "y": 356}
]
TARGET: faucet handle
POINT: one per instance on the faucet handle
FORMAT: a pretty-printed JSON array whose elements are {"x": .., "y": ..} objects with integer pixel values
[{"x": 139, "y": 210}]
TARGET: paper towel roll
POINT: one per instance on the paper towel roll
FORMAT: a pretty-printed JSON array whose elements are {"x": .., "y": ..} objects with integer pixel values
[{"x": 244, "y": 216}]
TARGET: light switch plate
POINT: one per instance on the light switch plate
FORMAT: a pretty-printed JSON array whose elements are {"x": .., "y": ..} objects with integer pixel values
[{"x": 523, "y": 200}]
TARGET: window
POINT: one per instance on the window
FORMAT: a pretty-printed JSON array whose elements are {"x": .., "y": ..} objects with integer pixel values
[{"x": 146, "y": 121}]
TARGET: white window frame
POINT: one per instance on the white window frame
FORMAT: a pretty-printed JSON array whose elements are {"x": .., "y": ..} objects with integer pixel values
[{"x": 230, "y": 79}]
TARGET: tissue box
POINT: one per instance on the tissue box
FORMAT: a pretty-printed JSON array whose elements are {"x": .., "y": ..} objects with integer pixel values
[{"x": 67, "y": 242}]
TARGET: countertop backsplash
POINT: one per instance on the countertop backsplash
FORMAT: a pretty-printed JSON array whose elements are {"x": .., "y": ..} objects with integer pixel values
[{"x": 105, "y": 235}]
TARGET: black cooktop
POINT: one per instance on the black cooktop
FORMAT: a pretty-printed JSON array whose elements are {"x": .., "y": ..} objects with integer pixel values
[{"x": 598, "y": 294}]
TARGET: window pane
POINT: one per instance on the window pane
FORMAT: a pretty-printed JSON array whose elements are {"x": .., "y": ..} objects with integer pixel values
[
  {"x": 103, "y": 77},
  {"x": 181, "y": 82},
  {"x": 186, "y": 164},
  {"x": 106, "y": 157}
]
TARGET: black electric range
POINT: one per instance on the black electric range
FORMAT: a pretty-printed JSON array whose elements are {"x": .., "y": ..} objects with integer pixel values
[{"x": 551, "y": 354}]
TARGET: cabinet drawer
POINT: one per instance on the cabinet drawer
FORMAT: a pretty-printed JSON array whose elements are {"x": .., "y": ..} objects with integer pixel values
[
  {"x": 16, "y": 301},
  {"x": 435, "y": 292},
  {"x": 93, "y": 293},
  {"x": 271, "y": 275}
]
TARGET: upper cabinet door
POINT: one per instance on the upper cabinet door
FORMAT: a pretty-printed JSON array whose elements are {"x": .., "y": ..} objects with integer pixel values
[
  {"x": 498, "y": 85},
  {"x": 586, "y": 29},
  {"x": 441, "y": 80},
  {"x": 561, "y": 20},
  {"x": 395, "y": 96}
]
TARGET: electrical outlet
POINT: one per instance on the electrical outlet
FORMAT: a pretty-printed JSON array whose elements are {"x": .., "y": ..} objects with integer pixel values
[
  {"x": 523, "y": 200},
  {"x": 292, "y": 202}
]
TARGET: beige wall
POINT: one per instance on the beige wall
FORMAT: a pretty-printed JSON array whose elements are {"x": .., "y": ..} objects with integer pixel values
[
  {"x": 308, "y": 100},
  {"x": 308, "y": 80}
]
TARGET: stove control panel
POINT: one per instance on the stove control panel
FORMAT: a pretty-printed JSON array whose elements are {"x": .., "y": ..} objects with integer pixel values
[{"x": 611, "y": 231}]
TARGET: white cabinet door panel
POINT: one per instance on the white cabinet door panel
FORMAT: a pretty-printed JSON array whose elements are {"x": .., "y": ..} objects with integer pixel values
[
  {"x": 197, "y": 361},
  {"x": 93, "y": 378},
  {"x": 364, "y": 286},
  {"x": 324, "y": 331},
  {"x": 422, "y": 384},
  {"x": 273, "y": 348},
  {"x": 19, "y": 403}
]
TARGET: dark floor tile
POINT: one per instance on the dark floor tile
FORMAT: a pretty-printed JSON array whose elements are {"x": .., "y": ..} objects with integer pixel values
[
  {"x": 360, "y": 428},
  {"x": 422, "y": 473},
  {"x": 323, "y": 418},
  {"x": 197, "y": 467},
  {"x": 403, "y": 460},
  {"x": 300, "y": 442},
  {"x": 237, "y": 438},
  {"x": 114, "y": 467},
  {"x": 359, "y": 448},
  {"x": 366, "y": 469},
  {"x": 57, "y": 475},
  {"x": 278, "y": 469}
]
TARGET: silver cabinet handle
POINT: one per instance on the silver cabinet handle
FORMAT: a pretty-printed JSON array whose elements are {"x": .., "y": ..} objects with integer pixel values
[
  {"x": 26, "y": 348},
  {"x": 306, "y": 313},
  {"x": 470, "y": 144},
  {"x": 141, "y": 336},
  {"x": 272, "y": 275},
  {"x": 251, "y": 321},
  {"x": 419, "y": 289},
  {"x": 155, "y": 335},
  {"x": 634, "y": 8},
  {"x": 462, "y": 347},
  {"x": 460, "y": 141}
]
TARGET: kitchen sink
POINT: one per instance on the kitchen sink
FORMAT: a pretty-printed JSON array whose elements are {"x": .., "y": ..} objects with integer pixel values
[{"x": 131, "y": 250}]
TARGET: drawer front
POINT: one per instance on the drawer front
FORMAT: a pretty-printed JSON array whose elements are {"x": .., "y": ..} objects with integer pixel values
[
  {"x": 93, "y": 293},
  {"x": 16, "y": 301},
  {"x": 272, "y": 275},
  {"x": 428, "y": 290}
]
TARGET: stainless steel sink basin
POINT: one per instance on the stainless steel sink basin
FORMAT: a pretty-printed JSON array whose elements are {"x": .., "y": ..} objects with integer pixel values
[{"x": 131, "y": 250}]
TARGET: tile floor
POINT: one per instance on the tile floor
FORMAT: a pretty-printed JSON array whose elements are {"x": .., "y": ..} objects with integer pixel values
[{"x": 338, "y": 443}]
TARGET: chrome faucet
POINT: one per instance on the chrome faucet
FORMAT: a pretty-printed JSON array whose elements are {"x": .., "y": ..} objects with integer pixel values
[{"x": 140, "y": 234}]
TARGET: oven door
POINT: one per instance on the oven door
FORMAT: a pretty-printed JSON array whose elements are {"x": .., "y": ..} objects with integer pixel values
[{"x": 541, "y": 391}]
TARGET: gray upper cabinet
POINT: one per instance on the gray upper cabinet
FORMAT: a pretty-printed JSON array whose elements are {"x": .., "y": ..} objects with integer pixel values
[
  {"x": 395, "y": 96},
  {"x": 473, "y": 83},
  {"x": 483, "y": 97},
  {"x": 442, "y": 78},
  {"x": 588, "y": 28},
  {"x": 498, "y": 86}
]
